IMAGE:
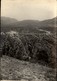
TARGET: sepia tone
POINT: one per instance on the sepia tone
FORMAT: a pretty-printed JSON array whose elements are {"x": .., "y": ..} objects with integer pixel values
[{"x": 28, "y": 40}]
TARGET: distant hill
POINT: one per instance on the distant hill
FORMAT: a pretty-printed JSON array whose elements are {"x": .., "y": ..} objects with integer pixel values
[
  {"x": 12, "y": 24},
  {"x": 49, "y": 25},
  {"x": 6, "y": 21}
]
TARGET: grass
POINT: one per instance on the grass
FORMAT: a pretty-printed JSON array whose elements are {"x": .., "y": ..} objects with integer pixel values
[{"x": 14, "y": 69}]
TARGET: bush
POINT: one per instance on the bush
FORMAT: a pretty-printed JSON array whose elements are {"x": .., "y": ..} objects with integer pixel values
[
  {"x": 14, "y": 47},
  {"x": 37, "y": 47}
]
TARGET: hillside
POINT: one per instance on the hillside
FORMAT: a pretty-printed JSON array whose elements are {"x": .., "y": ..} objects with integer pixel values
[
  {"x": 48, "y": 25},
  {"x": 28, "y": 50},
  {"x": 13, "y": 69},
  {"x": 34, "y": 47},
  {"x": 7, "y": 21}
]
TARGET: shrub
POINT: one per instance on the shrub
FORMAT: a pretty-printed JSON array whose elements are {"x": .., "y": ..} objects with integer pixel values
[{"x": 29, "y": 47}]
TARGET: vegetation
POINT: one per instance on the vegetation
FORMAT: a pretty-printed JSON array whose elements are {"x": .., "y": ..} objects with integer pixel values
[
  {"x": 30, "y": 47},
  {"x": 15, "y": 69},
  {"x": 33, "y": 41}
]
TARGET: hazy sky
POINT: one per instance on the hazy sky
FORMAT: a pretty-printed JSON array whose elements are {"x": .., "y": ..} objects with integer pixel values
[{"x": 29, "y": 9}]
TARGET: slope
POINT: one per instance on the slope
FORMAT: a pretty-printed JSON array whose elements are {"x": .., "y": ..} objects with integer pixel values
[{"x": 13, "y": 69}]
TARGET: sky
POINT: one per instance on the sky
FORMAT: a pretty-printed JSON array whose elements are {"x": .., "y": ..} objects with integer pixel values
[{"x": 29, "y": 9}]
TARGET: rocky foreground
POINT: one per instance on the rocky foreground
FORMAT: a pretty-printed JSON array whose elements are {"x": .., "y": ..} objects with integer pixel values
[{"x": 14, "y": 69}]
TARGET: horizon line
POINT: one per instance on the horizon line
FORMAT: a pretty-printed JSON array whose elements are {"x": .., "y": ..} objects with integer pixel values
[{"x": 28, "y": 19}]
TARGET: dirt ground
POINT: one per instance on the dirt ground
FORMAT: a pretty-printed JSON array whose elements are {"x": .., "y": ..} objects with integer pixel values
[{"x": 14, "y": 69}]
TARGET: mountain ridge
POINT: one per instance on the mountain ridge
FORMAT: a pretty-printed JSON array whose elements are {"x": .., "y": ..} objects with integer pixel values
[
  {"x": 36, "y": 22},
  {"x": 48, "y": 25}
]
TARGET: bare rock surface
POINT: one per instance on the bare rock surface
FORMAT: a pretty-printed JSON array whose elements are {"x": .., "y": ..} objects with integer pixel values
[{"x": 14, "y": 69}]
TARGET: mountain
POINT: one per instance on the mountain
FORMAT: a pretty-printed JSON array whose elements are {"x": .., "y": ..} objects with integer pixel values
[
  {"x": 49, "y": 22},
  {"x": 7, "y": 21},
  {"x": 49, "y": 25},
  {"x": 12, "y": 24}
]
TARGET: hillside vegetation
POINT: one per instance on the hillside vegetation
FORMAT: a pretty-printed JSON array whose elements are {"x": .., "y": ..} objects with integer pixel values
[
  {"x": 32, "y": 47},
  {"x": 29, "y": 40}
]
